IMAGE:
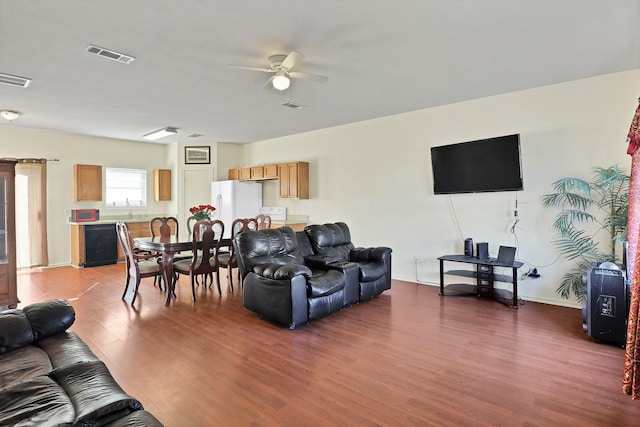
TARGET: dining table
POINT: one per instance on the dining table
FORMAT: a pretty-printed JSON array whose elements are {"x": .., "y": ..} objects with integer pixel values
[{"x": 168, "y": 248}]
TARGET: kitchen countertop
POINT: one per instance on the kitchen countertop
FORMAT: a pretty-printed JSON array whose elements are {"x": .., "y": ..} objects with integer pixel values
[{"x": 114, "y": 219}]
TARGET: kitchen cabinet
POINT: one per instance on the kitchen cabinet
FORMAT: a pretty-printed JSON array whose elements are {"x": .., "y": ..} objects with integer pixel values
[
  {"x": 245, "y": 174},
  {"x": 162, "y": 185},
  {"x": 271, "y": 172},
  {"x": 87, "y": 183},
  {"x": 294, "y": 180},
  {"x": 234, "y": 174},
  {"x": 257, "y": 172},
  {"x": 8, "y": 288}
]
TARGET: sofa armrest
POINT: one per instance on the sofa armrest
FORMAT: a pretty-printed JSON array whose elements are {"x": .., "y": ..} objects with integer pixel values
[
  {"x": 281, "y": 271},
  {"x": 282, "y": 301},
  {"x": 379, "y": 254},
  {"x": 49, "y": 317}
]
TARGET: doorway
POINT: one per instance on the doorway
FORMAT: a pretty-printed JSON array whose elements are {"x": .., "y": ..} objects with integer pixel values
[
  {"x": 31, "y": 213},
  {"x": 196, "y": 191}
]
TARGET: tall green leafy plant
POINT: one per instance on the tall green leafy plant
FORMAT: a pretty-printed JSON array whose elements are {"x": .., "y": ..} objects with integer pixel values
[{"x": 603, "y": 202}]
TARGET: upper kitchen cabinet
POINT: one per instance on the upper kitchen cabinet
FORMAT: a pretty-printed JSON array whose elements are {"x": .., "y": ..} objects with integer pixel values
[
  {"x": 87, "y": 183},
  {"x": 294, "y": 180},
  {"x": 162, "y": 185}
]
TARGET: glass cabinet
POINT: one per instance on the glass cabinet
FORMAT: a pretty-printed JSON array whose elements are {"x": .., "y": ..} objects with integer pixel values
[{"x": 8, "y": 292}]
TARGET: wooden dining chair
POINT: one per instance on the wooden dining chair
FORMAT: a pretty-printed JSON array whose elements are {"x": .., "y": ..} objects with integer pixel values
[
  {"x": 206, "y": 239},
  {"x": 228, "y": 258},
  {"x": 264, "y": 221},
  {"x": 137, "y": 266},
  {"x": 164, "y": 226}
]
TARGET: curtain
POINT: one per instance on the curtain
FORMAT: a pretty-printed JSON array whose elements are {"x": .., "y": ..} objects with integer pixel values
[
  {"x": 31, "y": 213},
  {"x": 631, "y": 373}
]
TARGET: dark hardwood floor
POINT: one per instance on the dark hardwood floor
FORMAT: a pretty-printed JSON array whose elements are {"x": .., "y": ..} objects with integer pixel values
[{"x": 408, "y": 357}]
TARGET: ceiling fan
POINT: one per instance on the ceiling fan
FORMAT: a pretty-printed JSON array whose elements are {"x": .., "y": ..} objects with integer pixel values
[{"x": 281, "y": 67}]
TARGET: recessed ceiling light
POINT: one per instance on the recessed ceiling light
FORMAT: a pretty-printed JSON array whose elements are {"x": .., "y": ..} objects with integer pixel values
[
  {"x": 160, "y": 134},
  {"x": 10, "y": 114}
]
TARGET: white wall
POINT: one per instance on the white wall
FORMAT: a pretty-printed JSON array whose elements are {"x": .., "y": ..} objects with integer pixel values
[{"x": 376, "y": 175}]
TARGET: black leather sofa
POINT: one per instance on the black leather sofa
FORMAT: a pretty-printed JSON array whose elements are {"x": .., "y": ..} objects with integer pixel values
[
  {"x": 50, "y": 377},
  {"x": 333, "y": 243},
  {"x": 286, "y": 281}
]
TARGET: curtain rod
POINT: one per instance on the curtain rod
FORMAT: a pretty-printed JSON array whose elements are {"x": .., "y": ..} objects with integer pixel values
[{"x": 37, "y": 160}]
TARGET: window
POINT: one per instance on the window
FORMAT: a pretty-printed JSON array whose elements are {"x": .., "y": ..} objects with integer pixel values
[{"x": 126, "y": 188}]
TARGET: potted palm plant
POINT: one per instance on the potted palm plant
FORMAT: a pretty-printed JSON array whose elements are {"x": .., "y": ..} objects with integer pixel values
[{"x": 603, "y": 201}]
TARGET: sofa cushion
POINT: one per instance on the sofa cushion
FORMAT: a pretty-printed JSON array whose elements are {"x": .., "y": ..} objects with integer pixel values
[
  {"x": 271, "y": 246},
  {"x": 15, "y": 330},
  {"x": 23, "y": 364},
  {"x": 95, "y": 395},
  {"x": 36, "y": 402},
  {"x": 136, "y": 419},
  {"x": 332, "y": 240},
  {"x": 326, "y": 283},
  {"x": 66, "y": 349}
]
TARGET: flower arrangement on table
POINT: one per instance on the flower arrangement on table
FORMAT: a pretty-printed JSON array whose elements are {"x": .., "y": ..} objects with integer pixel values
[{"x": 202, "y": 212}]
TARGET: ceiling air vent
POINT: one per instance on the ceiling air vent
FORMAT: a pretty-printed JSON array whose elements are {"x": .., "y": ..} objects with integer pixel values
[
  {"x": 8, "y": 79},
  {"x": 110, "y": 54},
  {"x": 195, "y": 135},
  {"x": 292, "y": 105}
]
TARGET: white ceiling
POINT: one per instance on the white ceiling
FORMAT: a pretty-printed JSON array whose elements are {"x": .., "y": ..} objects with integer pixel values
[{"x": 382, "y": 57}]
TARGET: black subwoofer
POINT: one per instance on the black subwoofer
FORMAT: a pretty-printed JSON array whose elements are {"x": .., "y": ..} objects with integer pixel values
[{"x": 607, "y": 305}]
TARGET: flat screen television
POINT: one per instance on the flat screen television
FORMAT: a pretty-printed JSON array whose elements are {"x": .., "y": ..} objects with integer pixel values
[{"x": 484, "y": 165}]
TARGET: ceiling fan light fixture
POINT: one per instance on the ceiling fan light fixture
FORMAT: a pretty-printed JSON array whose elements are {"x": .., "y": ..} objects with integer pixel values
[
  {"x": 160, "y": 134},
  {"x": 10, "y": 114},
  {"x": 281, "y": 81}
]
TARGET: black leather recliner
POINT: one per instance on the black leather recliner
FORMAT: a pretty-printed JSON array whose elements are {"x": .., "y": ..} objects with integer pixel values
[
  {"x": 333, "y": 241},
  {"x": 278, "y": 285}
]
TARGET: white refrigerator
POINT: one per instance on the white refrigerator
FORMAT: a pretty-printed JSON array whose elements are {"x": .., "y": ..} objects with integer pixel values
[{"x": 235, "y": 199}]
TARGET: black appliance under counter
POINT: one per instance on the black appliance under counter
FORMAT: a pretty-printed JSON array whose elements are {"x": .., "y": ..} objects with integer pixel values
[{"x": 100, "y": 245}]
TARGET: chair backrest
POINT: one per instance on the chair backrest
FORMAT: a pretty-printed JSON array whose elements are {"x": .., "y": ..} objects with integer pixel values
[
  {"x": 165, "y": 226},
  {"x": 190, "y": 222},
  {"x": 208, "y": 234},
  {"x": 124, "y": 237},
  {"x": 274, "y": 246},
  {"x": 264, "y": 222},
  {"x": 333, "y": 240},
  {"x": 243, "y": 224}
]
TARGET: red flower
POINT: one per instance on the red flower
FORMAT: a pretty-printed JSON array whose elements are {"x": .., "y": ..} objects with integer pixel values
[{"x": 202, "y": 211}]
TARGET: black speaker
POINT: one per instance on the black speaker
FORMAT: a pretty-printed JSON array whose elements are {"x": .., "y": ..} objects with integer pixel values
[
  {"x": 468, "y": 247},
  {"x": 607, "y": 305},
  {"x": 482, "y": 250}
]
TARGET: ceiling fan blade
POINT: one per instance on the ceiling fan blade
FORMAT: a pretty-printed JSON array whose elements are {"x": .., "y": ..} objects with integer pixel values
[
  {"x": 244, "y": 67},
  {"x": 308, "y": 76},
  {"x": 292, "y": 59}
]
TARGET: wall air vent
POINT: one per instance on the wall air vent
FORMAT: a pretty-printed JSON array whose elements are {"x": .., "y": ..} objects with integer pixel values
[
  {"x": 8, "y": 79},
  {"x": 110, "y": 54},
  {"x": 292, "y": 105}
]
